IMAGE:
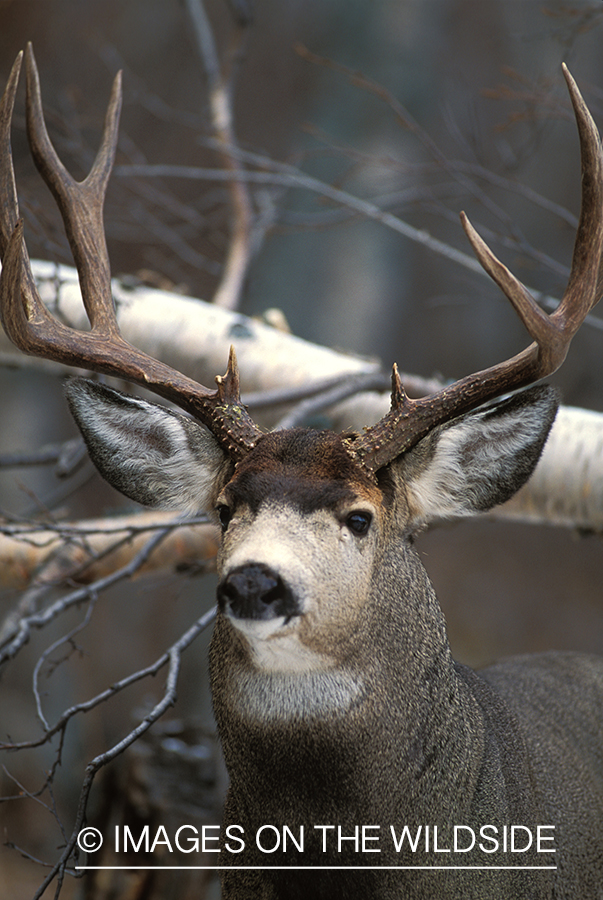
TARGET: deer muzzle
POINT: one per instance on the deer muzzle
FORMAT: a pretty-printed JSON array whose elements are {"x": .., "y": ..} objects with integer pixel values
[{"x": 255, "y": 591}]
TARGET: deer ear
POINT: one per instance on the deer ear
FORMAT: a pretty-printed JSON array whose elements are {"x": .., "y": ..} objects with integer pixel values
[
  {"x": 479, "y": 460},
  {"x": 151, "y": 454}
]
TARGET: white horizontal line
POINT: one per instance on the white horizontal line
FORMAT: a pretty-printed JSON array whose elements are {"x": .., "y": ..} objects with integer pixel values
[{"x": 308, "y": 868}]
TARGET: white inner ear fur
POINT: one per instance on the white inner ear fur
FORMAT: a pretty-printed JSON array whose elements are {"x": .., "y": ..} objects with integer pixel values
[
  {"x": 476, "y": 462},
  {"x": 179, "y": 459},
  {"x": 153, "y": 455}
]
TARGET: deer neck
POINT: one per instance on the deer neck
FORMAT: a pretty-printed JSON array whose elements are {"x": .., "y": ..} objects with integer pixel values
[{"x": 394, "y": 700}]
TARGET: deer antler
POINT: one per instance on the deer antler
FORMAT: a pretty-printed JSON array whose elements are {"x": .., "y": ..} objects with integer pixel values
[
  {"x": 30, "y": 325},
  {"x": 410, "y": 420}
]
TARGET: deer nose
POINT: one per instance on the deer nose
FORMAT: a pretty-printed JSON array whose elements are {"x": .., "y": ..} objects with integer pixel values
[{"x": 256, "y": 591}]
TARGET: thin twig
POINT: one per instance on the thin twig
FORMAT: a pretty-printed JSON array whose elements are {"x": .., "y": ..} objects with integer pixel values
[
  {"x": 49, "y": 453},
  {"x": 172, "y": 656},
  {"x": 372, "y": 381},
  {"x": 287, "y": 175},
  {"x": 38, "y": 667},
  {"x": 221, "y": 85},
  {"x": 118, "y": 686},
  {"x": 40, "y": 619}
]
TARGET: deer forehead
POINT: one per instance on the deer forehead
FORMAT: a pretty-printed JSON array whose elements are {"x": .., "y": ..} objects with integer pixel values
[{"x": 301, "y": 469}]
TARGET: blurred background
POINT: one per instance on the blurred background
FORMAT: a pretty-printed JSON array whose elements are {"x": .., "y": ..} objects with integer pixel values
[{"x": 471, "y": 113}]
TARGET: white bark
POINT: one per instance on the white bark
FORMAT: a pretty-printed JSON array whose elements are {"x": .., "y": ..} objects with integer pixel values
[
  {"x": 90, "y": 549},
  {"x": 567, "y": 486},
  {"x": 195, "y": 337}
]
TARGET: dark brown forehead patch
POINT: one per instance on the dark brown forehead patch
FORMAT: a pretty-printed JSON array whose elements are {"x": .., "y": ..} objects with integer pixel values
[{"x": 308, "y": 469}]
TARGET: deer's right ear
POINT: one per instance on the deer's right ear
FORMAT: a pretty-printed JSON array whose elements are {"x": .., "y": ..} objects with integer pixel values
[
  {"x": 480, "y": 459},
  {"x": 151, "y": 454}
]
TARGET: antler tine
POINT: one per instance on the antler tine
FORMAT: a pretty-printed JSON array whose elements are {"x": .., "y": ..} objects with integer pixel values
[
  {"x": 583, "y": 289},
  {"x": 14, "y": 254},
  {"x": 9, "y": 207},
  {"x": 30, "y": 325},
  {"x": 80, "y": 203},
  {"x": 410, "y": 420},
  {"x": 553, "y": 333},
  {"x": 26, "y": 320}
]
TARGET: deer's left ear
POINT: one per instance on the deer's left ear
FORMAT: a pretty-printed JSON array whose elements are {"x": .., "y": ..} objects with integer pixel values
[
  {"x": 479, "y": 460},
  {"x": 151, "y": 454}
]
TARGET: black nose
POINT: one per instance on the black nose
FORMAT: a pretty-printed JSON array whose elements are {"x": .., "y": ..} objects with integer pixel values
[{"x": 256, "y": 592}]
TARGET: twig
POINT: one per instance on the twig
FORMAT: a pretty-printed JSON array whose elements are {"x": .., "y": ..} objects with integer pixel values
[
  {"x": 40, "y": 619},
  {"x": 220, "y": 85},
  {"x": 371, "y": 382},
  {"x": 289, "y": 176},
  {"x": 108, "y": 693},
  {"x": 280, "y": 396},
  {"x": 172, "y": 656},
  {"x": 38, "y": 667},
  {"x": 66, "y": 454},
  {"x": 86, "y": 551}
]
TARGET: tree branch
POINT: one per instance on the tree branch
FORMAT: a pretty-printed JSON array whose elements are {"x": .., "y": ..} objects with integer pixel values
[{"x": 220, "y": 82}]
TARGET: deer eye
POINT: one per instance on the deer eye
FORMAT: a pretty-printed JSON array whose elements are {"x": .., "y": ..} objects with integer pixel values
[
  {"x": 224, "y": 515},
  {"x": 359, "y": 522}
]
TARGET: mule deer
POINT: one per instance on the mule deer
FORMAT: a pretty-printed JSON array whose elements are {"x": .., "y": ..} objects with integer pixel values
[{"x": 351, "y": 736}]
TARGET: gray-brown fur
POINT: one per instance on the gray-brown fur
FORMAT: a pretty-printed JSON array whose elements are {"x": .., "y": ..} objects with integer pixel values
[{"x": 351, "y": 711}]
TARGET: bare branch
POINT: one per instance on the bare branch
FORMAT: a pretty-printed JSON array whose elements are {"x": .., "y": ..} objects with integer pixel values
[
  {"x": 44, "y": 657},
  {"x": 37, "y": 620},
  {"x": 171, "y": 658},
  {"x": 290, "y": 176},
  {"x": 220, "y": 81},
  {"x": 149, "y": 671},
  {"x": 90, "y": 551},
  {"x": 66, "y": 455}
]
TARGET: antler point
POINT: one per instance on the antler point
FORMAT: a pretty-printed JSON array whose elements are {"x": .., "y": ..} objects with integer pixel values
[{"x": 398, "y": 395}]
